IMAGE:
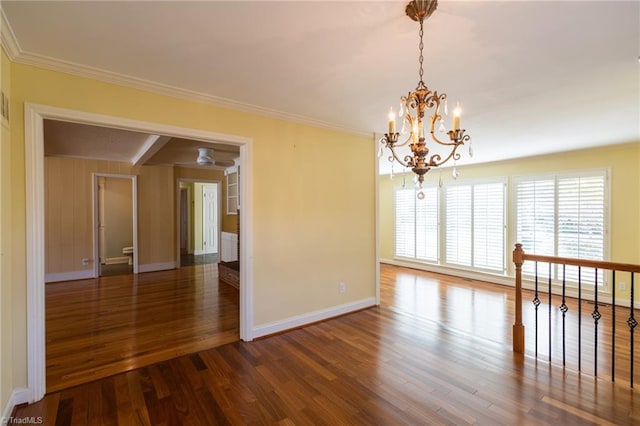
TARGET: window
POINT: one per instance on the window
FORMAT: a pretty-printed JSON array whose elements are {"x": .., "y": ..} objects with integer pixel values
[
  {"x": 563, "y": 215},
  {"x": 475, "y": 225},
  {"x": 417, "y": 224}
]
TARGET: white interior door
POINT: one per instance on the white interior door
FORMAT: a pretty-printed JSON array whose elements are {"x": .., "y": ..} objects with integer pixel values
[{"x": 209, "y": 218}]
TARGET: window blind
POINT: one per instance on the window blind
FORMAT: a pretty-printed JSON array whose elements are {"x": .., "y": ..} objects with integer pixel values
[
  {"x": 562, "y": 216},
  {"x": 488, "y": 226},
  {"x": 458, "y": 224},
  {"x": 417, "y": 224},
  {"x": 405, "y": 222}
]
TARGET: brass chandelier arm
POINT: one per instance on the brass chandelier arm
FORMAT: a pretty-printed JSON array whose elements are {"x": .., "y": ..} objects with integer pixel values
[
  {"x": 456, "y": 138},
  {"x": 434, "y": 160},
  {"x": 404, "y": 163},
  {"x": 388, "y": 141}
]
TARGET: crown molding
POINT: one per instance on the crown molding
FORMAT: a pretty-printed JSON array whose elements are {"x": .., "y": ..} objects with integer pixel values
[
  {"x": 7, "y": 37},
  {"x": 16, "y": 54}
]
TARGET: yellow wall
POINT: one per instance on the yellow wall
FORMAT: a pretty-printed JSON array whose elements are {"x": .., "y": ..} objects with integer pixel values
[
  {"x": 311, "y": 229},
  {"x": 622, "y": 160},
  {"x": 6, "y": 291}
]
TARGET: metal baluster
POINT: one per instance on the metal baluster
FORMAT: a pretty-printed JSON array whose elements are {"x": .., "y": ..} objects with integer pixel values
[
  {"x": 579, "y": 318},
  {"x": 632, "y": 323},
  {"x": 550, "y": 312},
  {"x": 596, "y": 317},
  {"x": 536, "y": 303},
  {"x": 613, "y": 327},
  {"x": 564, "y": 309}
]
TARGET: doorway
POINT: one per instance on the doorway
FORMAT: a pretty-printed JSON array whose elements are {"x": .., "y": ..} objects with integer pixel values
[
  {"x": 199, "y": 221},
  {"x": 115, "y": 213},
  {"x": 34, "y": 117}
]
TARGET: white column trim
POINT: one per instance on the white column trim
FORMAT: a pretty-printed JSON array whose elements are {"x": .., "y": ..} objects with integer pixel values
[{"x": 34, "y": 182}]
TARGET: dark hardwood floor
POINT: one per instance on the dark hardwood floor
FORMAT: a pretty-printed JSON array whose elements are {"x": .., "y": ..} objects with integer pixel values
[
  {"x": 98, "y": 327},
  {"x": 390, "y": 365}
]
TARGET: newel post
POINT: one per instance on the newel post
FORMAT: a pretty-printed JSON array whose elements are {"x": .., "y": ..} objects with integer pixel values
[{"x": 518, "y": 327}]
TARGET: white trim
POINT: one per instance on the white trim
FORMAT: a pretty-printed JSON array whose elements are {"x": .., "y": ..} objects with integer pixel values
[
  {"x": 246, "y": 243},
  {"x": 199, "y": 252},
  {"x": 304, "y": 319},
  {"x": 34, "y": 185},
  {"x": 152, "y": 145},
  {"x": 18, "y": 55},
  {"x": 160, "y": 266},
  {"x": 83, "y": 274},
  {"x": 462, "y": 273},
  {"x": 96, "y": 230},
  {"x": 8, "y": 37},
  {"x": 34, "y": 116},
  {"x": 376, "y": 201},
  {"x": 116, "y": 260},
  {"x": 18, "y": 396}
]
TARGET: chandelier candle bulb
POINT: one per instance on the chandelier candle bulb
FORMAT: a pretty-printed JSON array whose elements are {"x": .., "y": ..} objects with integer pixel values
[
  {"x": 456, "y": 117},
  {"x": 392, "y": 121}
]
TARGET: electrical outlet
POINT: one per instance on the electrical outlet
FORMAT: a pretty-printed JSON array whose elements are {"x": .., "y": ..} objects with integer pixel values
[
  {"x": 622, "y": 286},
  {"x": 85, "y": 261},
  {"x": 342, "y": 287}
]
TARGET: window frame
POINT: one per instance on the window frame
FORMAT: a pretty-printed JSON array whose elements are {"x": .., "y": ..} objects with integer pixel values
[
  {"x": 443, "y": 216},
  {"x": 513, "y": 223}
]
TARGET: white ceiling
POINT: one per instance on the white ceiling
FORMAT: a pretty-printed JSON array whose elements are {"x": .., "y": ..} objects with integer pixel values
[{"x": 533, "y": 77}]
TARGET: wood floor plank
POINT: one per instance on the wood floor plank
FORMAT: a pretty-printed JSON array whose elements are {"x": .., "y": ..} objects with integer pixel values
[{"x": 393, "y": 364}]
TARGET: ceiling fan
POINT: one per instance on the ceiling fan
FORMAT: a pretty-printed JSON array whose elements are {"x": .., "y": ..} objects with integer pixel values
[{"x": 206, "y": 158}]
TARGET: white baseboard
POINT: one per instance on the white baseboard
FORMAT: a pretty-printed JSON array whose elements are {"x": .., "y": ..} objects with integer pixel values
[
  {"x": 304, "y": 319},
  {"x": 480, "y": 276},
  {"x": 504, "y": 280},
  {"x": 68, "y": 276},
  {"x": 151, "y": 267},
  {"x": 116, "y": 260},
  {"x": 17, "y": 397},
  {"x": 200, "y": 252}
]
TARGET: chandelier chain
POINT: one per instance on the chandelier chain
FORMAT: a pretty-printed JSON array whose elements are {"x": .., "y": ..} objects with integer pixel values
[{"x": 421, "y": 47}]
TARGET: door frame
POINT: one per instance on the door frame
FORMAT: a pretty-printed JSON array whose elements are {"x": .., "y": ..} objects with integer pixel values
[
  {"x": 219, "y": 224},
  {"x": 96, "y": 219},
  {"x": 34, "y": 116},
  {"x": 187, "y": 191}
]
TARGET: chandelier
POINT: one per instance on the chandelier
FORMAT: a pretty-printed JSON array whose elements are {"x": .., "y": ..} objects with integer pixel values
[{"x": 412, "y": 112}]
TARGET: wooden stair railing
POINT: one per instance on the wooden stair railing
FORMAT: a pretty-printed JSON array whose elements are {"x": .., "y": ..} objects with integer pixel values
[{"x": 519, "y": 257}]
